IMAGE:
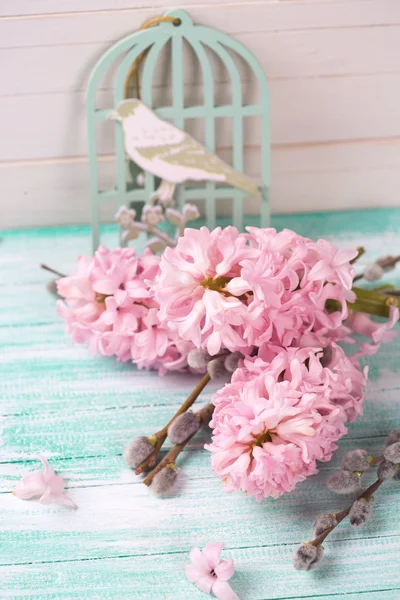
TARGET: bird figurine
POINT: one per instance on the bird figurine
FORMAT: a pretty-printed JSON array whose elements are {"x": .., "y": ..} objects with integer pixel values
[{"x": 169, "y": 153}]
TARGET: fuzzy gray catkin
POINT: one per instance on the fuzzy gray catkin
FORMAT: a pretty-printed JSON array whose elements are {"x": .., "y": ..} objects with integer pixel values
[
  {"x": 216, "y": 368},
  {"x": 356, "y": 460},
  {"x": 52, "y": 287},
  {"x": 322, "y": 523},
  {"x": 198, "y": 359},
  {"x": 307, "y": 557},
  {"x": 360, "y": 512},
  {"x": 183, "y": 427},
  {"x": 393, "y": 437},
  {"x": 392, "y": 453},
  {"x": 373, "y": 272},
  {"x": 165, "y": 480},
  {"x": 137, "y": 451},
  {"x": 386, "y": 470},
  {"x": 344, "y": 482},
  {"x": 231, "y": 361}
]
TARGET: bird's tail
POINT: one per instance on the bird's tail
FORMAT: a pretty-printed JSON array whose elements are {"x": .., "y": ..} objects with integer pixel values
[{"x": 244, "y": 183}]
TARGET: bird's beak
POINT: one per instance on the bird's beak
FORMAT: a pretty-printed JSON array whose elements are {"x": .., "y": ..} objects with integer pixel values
[{"x": 113, "y": 116}]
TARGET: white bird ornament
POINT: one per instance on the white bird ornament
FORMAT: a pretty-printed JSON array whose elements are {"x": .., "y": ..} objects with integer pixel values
[{"x": 169, "y": 153}]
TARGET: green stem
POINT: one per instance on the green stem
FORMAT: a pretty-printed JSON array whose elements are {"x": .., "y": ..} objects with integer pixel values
[{"x": 373, "y": 302}]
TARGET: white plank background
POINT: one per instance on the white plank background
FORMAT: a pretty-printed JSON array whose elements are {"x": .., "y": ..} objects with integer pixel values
[{"x": 334, "y": 73}]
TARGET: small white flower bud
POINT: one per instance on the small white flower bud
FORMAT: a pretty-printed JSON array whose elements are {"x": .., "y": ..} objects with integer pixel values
[
  {"x": 392, "y": 453},
  {"x": 344, "y": 482},
  {"x": 360, "y": 512},
  {"x": 165, "y": 480},
  {"x": 322, "y": 523},
  {"x": 356, "y": 460},
  {"x": 231, "y": 361},
  {"x": 125, "y": 217},
  {"x": 307, "y": 557},
  {"x": 138, "y": 450},
  {"x": 198, "y": 359},
  {"x": 190, "y": 212},
  {"x": 216, "y": 368},
  {"x": 183, "y": 427},
  {"x": 140, "y": 179},
  {"x": 386, "y": 470},
  {"x": 152, "y": 215},
  {"x": 393, "y": 437},
  {"x": 373, "y": 272}
]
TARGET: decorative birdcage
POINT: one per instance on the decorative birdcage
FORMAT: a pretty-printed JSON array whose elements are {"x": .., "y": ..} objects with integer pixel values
[{"x": 204, "y": 42}]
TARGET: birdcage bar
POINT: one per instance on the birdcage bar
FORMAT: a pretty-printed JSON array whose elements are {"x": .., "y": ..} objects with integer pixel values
[
  {"x": 208, "y": 107},
  {"x": 237, "y": 126},
  {"x": 198, "y": 38}
]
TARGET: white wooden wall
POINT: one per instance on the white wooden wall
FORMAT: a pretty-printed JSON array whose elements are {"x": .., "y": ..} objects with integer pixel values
[{"x": 334, "y": 73}]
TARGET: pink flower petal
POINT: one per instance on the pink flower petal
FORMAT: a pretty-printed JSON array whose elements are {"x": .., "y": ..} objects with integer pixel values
[
  {"x": 104, "y": 286},
  {"x": 31, "y": 486},
  {"x": 225, "y": 570},
  {"x": 199, "y": 560},
  {"x": 193, "y": 573},
  {"x": 223, "y": 591},
  {"x": 47, "y": 469},
  {"x": 54, "y": 498},
  {"x": 212, "y": 552},
  {"x": 46, "y": 485},
  {"x": 205, "y": 583}
]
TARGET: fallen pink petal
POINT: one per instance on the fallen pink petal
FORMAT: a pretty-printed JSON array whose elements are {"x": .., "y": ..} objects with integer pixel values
[
  {"x": 43, "y": 484},
  {"x": 209, "y": 573}
]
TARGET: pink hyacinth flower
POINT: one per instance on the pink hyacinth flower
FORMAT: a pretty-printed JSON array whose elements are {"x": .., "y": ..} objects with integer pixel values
[
  {"x": 379, "y": 333},
  {"x": 45, "y": 485},
  {"x": 209, "y": 572}
]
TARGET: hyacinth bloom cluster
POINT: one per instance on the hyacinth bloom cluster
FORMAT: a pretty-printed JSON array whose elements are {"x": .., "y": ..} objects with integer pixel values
[
  {"x": 281, "y": 414},
  {"x": 223, "y": 289},
  {"x": 109, "y": 306}
]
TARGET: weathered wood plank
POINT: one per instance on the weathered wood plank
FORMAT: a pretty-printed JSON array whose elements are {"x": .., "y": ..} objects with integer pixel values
[
  {"x": 126, "y": 519},
  {"x": 335, "y": 109},
  {"x": 261, "y": 574},
  {"x": 90, "y": 471},
  {"x": 74, "y": 431},
  {"x": 63, "y": 7},
  {"x": 320, "y": 177},
  {"x": 51, "y": 404},
  {"x": 108, "y": 25},
  {"x": 282, "y": 54}
]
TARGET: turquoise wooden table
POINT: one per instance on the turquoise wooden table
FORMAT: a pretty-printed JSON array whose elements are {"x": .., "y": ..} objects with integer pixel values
[{"x": 122, "y": 542}]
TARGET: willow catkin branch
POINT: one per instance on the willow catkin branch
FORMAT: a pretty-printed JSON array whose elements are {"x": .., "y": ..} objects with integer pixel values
[
  {"x": 204, "y": 416},
  {"x": 46, "y": 268},
  {"x": 386, "y": 263},
  {"x": 344, "y": 513},
  {"x": 360, "y": 252},
  {"x": 162, "y": 434}
]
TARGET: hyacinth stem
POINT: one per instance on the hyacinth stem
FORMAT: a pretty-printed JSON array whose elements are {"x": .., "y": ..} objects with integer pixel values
[
  {"x": 162, "y": 434},
  {"x": 339, "y": 517},
  {"x": 46, "y": 268},
  {"x": 204, "y": 416},
  {"x": 373, "y": 302}
]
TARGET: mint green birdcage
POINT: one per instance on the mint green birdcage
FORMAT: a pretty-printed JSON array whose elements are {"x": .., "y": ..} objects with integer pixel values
[{"x": 202, "y": 40}]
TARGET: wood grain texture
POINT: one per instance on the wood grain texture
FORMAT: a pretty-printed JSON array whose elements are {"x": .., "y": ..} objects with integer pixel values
[
  {"x": 122, "y": 542},
  {"x": 333, "y": 67},
  {"x": 336, "y": 175}
]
